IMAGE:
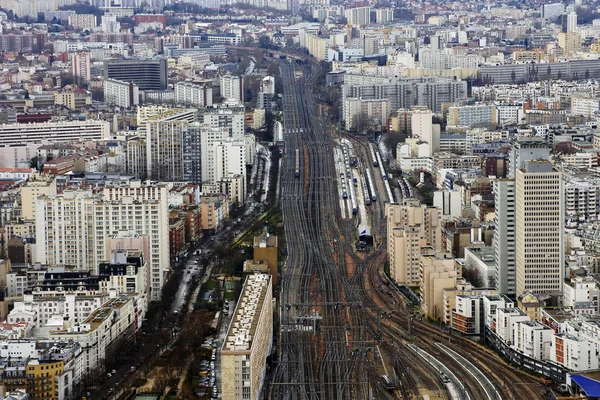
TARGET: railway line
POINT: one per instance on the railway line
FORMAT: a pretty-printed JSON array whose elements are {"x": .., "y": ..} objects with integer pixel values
[{"x": 339, "y": 314}]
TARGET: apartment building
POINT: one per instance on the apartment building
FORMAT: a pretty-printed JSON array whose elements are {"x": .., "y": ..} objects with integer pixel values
[
  {"x": 437, "y": 272},
  {"x": 230, "y": 115},
  {"x": 164, "y": 134},
  {"x": 49, "y": 309},
  {"x": 82, "y": 21},
  {"x": 121, "y": 93},
  {"x": 63, "y": 131},
  {"x": 232, "y": 88},
  {"x": 249, "y": 340},
  {"x": 376, "y": 109},
  {"x": 584, "y": 105},
  {"x": 582, "y": 198},
  {"x": 358, "y": 16},
  {"x": 539, "y": 233},
  {"x": 137, "y": 162},
  {"x": 192, "y": 94},
  {"x": 575, "y": 353},
  {"x": 37, "y": 185},
  {"x": 80, "y": 67},
  {"x": 411, "y": 227},
  {"x": 473, "y": 116}
]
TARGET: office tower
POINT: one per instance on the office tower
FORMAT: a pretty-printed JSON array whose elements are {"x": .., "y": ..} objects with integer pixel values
[
  {"x": 232, "y": 88},
  {"x": 411, "y": 227},
  {"x": 164, "y": 143},
  {"x": 248, "y": 341},
  {"x": 504, "y": 236},
  {"x": 148, "y": 74},
  {"x": 539, "y": 222},
  {"x": 80, "y": 67},
  {"x": 358, "y": 16},
  {"x": 231, "y": 115},
  {"x": 120, "y": 93}
]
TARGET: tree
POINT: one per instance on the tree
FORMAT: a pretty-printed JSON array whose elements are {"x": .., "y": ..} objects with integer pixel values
[
  {"x": 264, "y": 42},
  {"x": 392, "y": 139},
  {"x": 473, "y": 275},
  {"x": 160, "y": 383},
  {"x": 362, "y": 125},
  {"x": 435, "y": 313}
]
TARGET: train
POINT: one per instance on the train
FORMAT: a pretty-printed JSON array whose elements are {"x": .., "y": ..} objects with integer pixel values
[
  {"x": 353, "y": 201},
  {"x": 381, "y": 166},
  {"x": 365, "y": 191},
  {"x": 371, "y": 185},
  {"x": 387, "y": 383},
  {"x": 297, "y": 173},
  {"x": 375, "y": 162}
]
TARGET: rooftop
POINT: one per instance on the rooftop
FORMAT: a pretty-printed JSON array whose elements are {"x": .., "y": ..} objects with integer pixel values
[{"x": 247, "y": 313}]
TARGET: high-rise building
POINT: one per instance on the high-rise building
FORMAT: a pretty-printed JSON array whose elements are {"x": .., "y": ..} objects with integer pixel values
[
  {"x": 550, "y": 12},
  {"x": 80, "y": 67},
  {"x": 231, "y": 115},
  {"x": 504, "y": 236},
  {"x": 120, "y": 93},
  {"x": 572, "y": 22},
  {"x": 64, "y": 229},
  {"x": 192, "y": 152},
  {"x": 74, "y": 228},
  {"x": 148, "y": 74},
  {"x": 358, "y": 15},
  {"x": 232, "y": 88},
  {"x": 164, "y": 143},
  {"x": 210, "y": 136},
  {"x": 248, "y": 341},
  {"x": 411, "y": 227},
  {"x": 384, "y": 15},
  {"x": 267, "y": 91},
  {"x": 539, "y": 222},
  {"x": 527, "y": 149}
]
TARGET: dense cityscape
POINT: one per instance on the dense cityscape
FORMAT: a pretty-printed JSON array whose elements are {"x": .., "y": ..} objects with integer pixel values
[{"x": 299, "y": 200}]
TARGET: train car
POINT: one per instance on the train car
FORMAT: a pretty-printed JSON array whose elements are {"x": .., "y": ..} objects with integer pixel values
[
  {"x": 381, "y": 166},
  {"x": 297, "y": 173},
  {"x": 387, "y": 383},
  {"x": 353, "y": 201},
  {"x": 371, "y": 185},
  {"x": 375, "y": 162}
]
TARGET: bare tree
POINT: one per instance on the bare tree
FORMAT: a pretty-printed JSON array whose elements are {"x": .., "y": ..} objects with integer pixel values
[
  {"x": 473, "y": 275},
  {"x": 160, "y": 383},
  {"x": 435, "y": 313}
]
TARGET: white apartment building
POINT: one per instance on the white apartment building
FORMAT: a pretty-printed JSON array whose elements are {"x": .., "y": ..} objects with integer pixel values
[
  {"x": 64, "y": 229},
  {"x": 582, "y": 198},
  {"x": 584, "y": 105},
  {"x": 581, "y": 290},
  {"x": 509, "y": 114},
  {"x": 232, "y": 87},
  {"x": 533, "y": 339},
  {"x": 376, "y": 109},
  {"x": 574, "y": 353},
  {"x": 41, "y": 309},
  {"x": 63, "y": 131},
  {"x": 472, "y": 116},
  {"x": 583, "y": 160},
  {"x": 230, "y": 157},
  {"x": 120, "y": 93},
  {"x": 230, "y": 115},
  {"x": 250, "y": 143},
  {"x": 384, "y": 15},
  {"x": 164, "y": 134},
  {"x": 248, "y": 342},
  {"x": 192, "y": 94},
  {"x": 539, "y": 221},
  {"x": 358, "y": 16},
  {"x": 506, "y": 318},
  {"x": 316, "y": 45},
  {"x": 82, "y": 21},
  {"x": 101, "y": 333}
]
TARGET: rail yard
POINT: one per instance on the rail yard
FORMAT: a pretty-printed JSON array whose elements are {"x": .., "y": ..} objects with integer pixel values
[{"x": 346, "y": 332}]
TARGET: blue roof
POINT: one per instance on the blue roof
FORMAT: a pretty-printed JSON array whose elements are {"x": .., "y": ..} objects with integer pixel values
[{"x": 591, "y": 387}]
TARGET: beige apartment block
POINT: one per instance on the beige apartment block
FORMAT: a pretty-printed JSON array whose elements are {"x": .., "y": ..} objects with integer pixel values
[
  {"x": 438, "y": 272},
  {"x": 37, "y": 185},
  {"x": 411, "y": 227},
  {"x": 248, "y": 342}
]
